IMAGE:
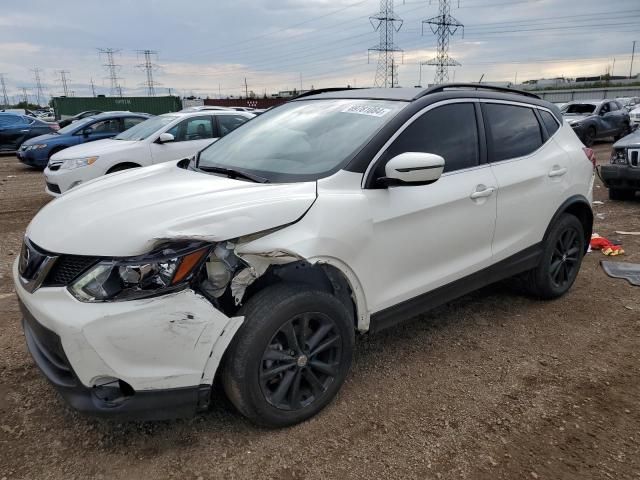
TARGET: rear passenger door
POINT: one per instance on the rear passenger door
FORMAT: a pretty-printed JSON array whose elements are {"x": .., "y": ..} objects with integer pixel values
[
  {"x": 531, "y": 171},
  {"x": 426, "y": 236}
]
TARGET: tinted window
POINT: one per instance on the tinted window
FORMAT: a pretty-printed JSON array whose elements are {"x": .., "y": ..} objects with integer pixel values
[
  {"x": 197, "y": 128},
  {"x": 614, "y": 106},
  {"x": 228, "y": 123},
  {"x": 131, "y": 121},
  {"x": 513, "y": 131},
  {"x": 449, "y": 131},
  {"x": 9, "y": 119},
  {"x": 549, "y": 122},
  {"x": 106, "y": 126}
]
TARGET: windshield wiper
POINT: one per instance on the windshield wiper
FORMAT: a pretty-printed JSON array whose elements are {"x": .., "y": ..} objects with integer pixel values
[{"x": 233, "y": 173}]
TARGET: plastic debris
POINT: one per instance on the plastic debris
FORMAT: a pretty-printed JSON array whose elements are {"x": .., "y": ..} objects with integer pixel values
[
  {"x": 620, "y": 232},
  {"x": 607, "y": 247}
]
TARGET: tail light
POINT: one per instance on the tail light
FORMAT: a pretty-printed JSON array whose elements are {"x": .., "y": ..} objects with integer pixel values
[{"x": 591, "y": 155}]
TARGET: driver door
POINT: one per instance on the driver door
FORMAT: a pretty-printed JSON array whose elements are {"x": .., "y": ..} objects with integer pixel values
[
  {"x": 190, "y": 136},
  {"x": 427, "y": 236}
]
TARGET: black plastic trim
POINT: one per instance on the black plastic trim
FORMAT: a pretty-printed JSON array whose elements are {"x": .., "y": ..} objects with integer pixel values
[{"x": 518, "y": 263}]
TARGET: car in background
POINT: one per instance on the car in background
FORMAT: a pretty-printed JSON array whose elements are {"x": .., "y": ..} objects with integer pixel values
[
  {"x": 15, "y": 129},
  {"x": 560, "y": 104},
  {"x": 171, "y": 136},
  {"x": 79, "y": 116},
  {"x": 628, "y": 103},
  {"x": 634, "y": 116},
  {"x": 37, "y": 151},
  {"x": 200, "y": 108},
  {"x": 622, "y": 175},
  {"x": 596, "y": 119}
]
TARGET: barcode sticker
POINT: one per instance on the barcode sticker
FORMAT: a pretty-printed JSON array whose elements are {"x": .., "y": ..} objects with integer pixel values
[{"x": 371, "y": 110}]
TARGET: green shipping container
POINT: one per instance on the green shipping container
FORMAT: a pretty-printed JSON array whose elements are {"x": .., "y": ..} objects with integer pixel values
[{"x": 66, "y": 107}]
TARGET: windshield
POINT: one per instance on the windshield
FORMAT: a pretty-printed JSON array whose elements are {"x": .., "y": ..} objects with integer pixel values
[
  {"x": 146, "y": 129},
  {"x": 75, "y": 125},
  {"x": 579, "y": 108},
  {"x": 301, "y": 141}
]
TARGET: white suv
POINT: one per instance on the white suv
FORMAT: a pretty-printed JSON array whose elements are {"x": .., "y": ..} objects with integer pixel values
[
  {"x": 171, "y": 136},
  {"x": 258, "y": 260}
]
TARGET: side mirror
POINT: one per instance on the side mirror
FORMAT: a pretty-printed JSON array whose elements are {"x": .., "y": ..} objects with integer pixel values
[
  {"x": 165, "y": 137},
  {"x": 87, "y": 131},
  {"x": 412, "y": 168}
]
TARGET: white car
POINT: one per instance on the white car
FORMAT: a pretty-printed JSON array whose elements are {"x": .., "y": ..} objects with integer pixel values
[
  {"x": 171, "y": 136},
  {"x": 634, "y": 115},
  {"x": 258, "y": 260}
]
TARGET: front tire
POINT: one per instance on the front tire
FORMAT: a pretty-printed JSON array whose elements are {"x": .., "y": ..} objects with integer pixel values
[
  {"x": 291, "y": 355},
  {"x": 589, "y": 137},
  {"x": 561, "y": 258}
]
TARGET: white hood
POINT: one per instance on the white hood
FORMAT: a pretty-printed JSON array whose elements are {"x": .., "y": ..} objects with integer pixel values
[
  {"x": 128, "y": 213},
  {"x": 90, "y": 149}
]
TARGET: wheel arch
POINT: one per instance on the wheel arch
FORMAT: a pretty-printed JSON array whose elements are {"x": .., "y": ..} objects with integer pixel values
[
  {"x": 579, "y": 207},
  {"x": 122, "y": 166}
]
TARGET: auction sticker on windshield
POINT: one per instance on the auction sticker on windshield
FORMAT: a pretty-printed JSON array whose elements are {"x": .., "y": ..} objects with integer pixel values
[{"x": 370, "y": 110}]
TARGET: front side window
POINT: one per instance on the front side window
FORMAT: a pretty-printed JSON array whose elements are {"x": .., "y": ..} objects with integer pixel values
[
  {"x": 513, "y": 131},
  {"x": 613, "y": 106},
  {"x": 450, "y": 131},
  {"x": 228, "y": 123},
  {"x": 196, "y": 128},
  {"x": 106, "y": 126},
  {"x": 302, "y": 140}
]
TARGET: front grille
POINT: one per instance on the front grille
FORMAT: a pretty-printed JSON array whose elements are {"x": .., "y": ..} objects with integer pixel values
[
  {"x": 53, "y": 187},
  {"x": 67, "y": 268},
  {"x": 634, "y": 161}
]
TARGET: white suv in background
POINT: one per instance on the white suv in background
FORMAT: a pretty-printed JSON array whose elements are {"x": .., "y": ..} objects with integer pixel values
[
  {"x": 171, "y": 136},
  {"x": 257, "y": 261}
]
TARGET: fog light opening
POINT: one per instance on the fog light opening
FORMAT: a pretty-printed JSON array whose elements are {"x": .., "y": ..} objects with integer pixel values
[{"x": 112, "y": 392}]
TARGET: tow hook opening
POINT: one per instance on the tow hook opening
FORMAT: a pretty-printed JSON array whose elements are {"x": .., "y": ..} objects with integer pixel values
[{"x": 112, "y": 392}]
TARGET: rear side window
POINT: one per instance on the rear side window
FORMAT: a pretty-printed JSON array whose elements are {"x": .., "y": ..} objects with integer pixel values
[
  {"x": 549, "y": 121},
  {"x": 450, "y": 131},
  {"x": 228, "y": 123},
  {"x": 513, "y": 131},
  {"x": 129, "y": 122}
]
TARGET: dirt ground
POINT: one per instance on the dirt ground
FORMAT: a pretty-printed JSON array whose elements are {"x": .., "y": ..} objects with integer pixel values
[{"x": 492, "y": 386}]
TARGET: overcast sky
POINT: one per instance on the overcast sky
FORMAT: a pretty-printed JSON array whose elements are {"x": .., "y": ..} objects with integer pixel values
[{"x": 207, "y": 47}]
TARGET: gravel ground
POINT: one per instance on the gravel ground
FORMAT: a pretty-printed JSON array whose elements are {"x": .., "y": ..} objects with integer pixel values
[{"x": 492, "y": 386}]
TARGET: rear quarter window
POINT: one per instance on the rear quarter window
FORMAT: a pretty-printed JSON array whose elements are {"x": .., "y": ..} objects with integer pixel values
[
  {"x": 550, "y": 122},
  {"x": 513, "y": 131}
]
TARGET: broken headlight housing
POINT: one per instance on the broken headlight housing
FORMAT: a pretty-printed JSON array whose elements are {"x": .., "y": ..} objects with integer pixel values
[
  {"x": 164, "y": 270},
  {"x": 618, "y": 156}
]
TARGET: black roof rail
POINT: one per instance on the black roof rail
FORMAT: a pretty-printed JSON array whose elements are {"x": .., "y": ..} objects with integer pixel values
[
  {"x": 324, "y": 90},
  {"x": 474, "y": 86}
]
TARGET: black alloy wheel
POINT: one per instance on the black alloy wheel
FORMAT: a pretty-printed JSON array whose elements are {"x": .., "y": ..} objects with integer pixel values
[
  {"x": 300, "y": 361},
  {"x": 565, "y": 258}
]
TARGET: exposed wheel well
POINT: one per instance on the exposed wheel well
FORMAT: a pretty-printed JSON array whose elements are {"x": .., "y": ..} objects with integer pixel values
[
  {"x": 322, "y": 277},
  {"x": 122, "y": 166}
]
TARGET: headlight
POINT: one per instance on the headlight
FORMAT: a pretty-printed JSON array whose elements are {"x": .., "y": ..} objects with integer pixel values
[
  {"x": 162, "y": 271},
  {"x": 77, "y": 162},
  {"x": 40, "y": 145},
  {"x": 618, "y": 156}
]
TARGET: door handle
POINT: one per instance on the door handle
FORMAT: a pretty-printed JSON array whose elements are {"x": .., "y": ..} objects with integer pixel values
[
  {"x": 486, "y": 192},
  {"x": 557, "y": 172}
]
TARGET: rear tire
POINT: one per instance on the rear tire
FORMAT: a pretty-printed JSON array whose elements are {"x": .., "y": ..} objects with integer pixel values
[
  {"x": 589, "y": 137},
  {"x": 561, "y": 258},
  {"x": 621, "y": 195},
  {"x": 290, "y": 356}
]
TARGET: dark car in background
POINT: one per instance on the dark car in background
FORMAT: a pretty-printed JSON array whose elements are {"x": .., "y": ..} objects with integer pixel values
[
  {"x": 37, "y": 151},
  {"x": 15, "y": 129},
  {"x": 596, "y": 119},
  {"x": 622, "y": 175},
  {"x": 79, "y": 116}
]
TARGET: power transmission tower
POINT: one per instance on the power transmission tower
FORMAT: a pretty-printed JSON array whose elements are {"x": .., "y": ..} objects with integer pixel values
[
  {"x": 149, "y": 67},
  {"x": 112, "y": 68},
  {"x": 387, "y": 23},
  {"x": 25, "y": 96},
  {"x": 93, "y": 87},
  {"x": 39, "y": 91},
  {"x": 64, "y": 80},
  {"x": 443, "y": 26},
  {"x": 246, "y": 88},
  {"x": 5, "y": 98}
]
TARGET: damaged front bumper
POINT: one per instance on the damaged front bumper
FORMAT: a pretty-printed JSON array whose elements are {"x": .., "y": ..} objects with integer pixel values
[{"x": 153, "y": 358}]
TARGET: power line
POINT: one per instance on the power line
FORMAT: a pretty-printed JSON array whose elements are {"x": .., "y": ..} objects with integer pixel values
[
  {"x": 39, "y": 92},
  {"x": 149, "y": 67},
  {"x": 387, "y": 23},
  {"x": 112, "y": 69},
  {"x": 64, "y": 80}
]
